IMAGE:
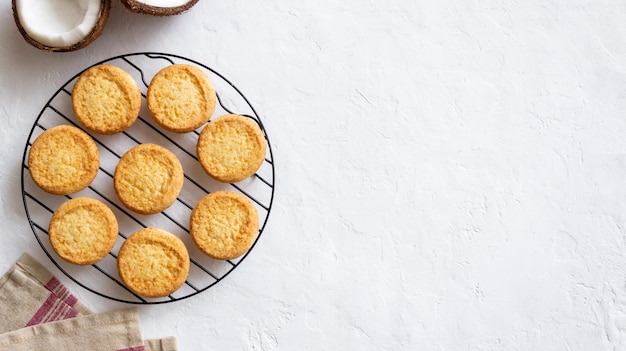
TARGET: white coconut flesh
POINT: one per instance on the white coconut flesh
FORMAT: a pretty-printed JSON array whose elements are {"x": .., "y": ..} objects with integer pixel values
[
  {"x": 58, "y": 23},
  {"x": 163, "y": 3}
]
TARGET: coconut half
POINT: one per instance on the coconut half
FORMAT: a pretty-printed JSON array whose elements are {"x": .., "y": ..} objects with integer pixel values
[
  {"x": 60, "y": 25},
  {"x": 159, "y": 7}
]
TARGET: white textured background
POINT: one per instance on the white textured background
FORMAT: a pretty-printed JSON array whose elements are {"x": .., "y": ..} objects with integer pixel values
[{"x": 450, "y": 174}]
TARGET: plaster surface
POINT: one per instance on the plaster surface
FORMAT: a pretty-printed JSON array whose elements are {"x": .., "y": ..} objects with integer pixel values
[{"x": 449, "y": 174}]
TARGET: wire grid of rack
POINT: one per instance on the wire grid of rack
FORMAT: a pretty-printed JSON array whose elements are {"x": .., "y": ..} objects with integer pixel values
[{"x": 102, "y": 278}]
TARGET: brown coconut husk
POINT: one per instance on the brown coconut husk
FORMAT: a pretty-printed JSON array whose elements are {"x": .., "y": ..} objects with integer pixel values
[
  {"x": 140, "y": 7},
  {"x": 103, "y": 15}
]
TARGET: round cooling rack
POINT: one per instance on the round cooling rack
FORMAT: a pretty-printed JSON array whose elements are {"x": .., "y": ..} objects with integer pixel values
[{"x": 102, "y": 278}]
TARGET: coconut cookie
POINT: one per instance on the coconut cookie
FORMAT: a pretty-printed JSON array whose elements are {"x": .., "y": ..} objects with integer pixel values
[
  {"x": 181, "y": 98},
  {"x": 148, "y": 178},
  {"x": 224, "y": 225},
  {"x": 106, "y": 99},
  {"x": 153, "y": 262},
  {"x": 63, "y": 160},
  {"x": 83, "y": 230},
  {"x": 231, "y": 148}
]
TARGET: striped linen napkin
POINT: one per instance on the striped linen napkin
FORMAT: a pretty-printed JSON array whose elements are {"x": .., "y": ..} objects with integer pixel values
[{"x": 39, "y": 313}]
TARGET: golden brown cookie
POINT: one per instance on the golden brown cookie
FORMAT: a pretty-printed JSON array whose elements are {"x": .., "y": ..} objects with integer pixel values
[
  {"x": 231, "y": 148},
  {"x": 82, "y": 230},
  {"x": 148, "y": 178},
  {"x": 181, "y": 98},
  {"x": 106, "y": 99},
  {"x": 153, "y": 262},
  {"x": 224, "y": 224},
  {"x": 63, "y": 160}
]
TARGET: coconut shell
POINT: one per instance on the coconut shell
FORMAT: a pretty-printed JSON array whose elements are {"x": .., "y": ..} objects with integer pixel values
[
  {"x": 103, "y": 16},
  {"x": 139, "y": 7}
]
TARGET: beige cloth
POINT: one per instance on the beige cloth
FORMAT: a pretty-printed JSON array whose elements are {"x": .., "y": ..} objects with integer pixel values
[
  {"x": 110, "y": 331},
  {"x": 164, "y": 344},
  {"x": 31, "y": 295},
  {"x": 51, "y": 318}
]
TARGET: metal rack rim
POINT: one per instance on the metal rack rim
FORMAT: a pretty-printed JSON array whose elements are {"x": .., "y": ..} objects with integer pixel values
[{"x": 35, "y": 226}]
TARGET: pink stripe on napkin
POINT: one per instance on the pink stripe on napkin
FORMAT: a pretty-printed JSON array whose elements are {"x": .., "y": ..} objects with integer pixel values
[
  {"x": 42, "y": 311},
  {"x": 58, "y": 289},
  {"x": 53, "y": 309}
]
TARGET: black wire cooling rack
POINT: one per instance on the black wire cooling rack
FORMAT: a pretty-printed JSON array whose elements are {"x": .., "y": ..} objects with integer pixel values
[{"x": 102, "y": 278}]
